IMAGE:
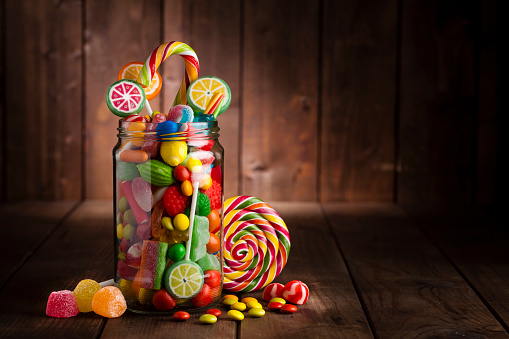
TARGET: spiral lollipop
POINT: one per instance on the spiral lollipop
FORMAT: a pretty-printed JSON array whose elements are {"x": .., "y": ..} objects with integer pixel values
[{"x": 257, "y": 244}]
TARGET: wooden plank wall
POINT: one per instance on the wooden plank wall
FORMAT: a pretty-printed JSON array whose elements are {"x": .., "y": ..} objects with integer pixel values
[{"x": 332, "y": 100}]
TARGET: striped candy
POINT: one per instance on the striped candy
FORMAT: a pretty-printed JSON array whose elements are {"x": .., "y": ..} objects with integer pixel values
[
  {"x": 160, "y": 54},
  {"x": 256, "y": 246},
  {"x": 296, "y": 292}
]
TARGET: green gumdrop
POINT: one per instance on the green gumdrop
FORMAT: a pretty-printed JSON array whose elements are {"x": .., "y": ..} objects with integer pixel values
[
  {"x": 176, "y": 252},
  {"x": 209, "y": 262},
  {"x": 123, "y": 205},
  {"x": 202, "y": 204},
  {"x": 200, "y": 238},
  {"x": 129, "y": 217},
  {"x": 127, "y": 171},
  {"x": 197, "y": 253}
]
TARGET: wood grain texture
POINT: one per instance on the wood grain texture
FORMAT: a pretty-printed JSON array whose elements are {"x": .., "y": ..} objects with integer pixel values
[
  {"x": 333, "y": 309},
  {"x": 43, "y": 85},
  {"x": 476, "y": 244},
  {"x": 31, "y": 221},
  {"x": 3, "y": 113},
  {"x": 437, "y": 102},
  {"x": 218, "y": 52},
  {"x": 280, "y": 96},
  {"x": 80, "y": 248},
  {"x": 410, "y": 290},
  {"x": 358, "y": 100},
  {"x": 117, "y": 32}
]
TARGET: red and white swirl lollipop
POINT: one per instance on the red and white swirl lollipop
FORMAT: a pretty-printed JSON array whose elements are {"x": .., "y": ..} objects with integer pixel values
[{"x": 256, "y": 246}]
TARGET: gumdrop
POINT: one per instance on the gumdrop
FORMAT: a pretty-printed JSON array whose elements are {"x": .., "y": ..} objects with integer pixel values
[
  {"x": 200, "y": 238},
  {"x": 84, "y": 292},
  {"x": 209, "y": 262},
  {"x": 127, "y": 170},
  {"x": 109, "y": 302},
  {"x": 62, "y": 304},
  {"x": 142, "y": 193}
]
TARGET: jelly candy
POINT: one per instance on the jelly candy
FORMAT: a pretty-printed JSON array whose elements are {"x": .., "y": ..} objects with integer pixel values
[
  {"x": 239, "y": 306},
  {"x": 200, "y": 238},
  {"x": 133, "y": 255},
  {"x": 145, "y": 296},
  {"x": 128, "y": 231},
  {"x": 203, "y": 298},
  {"x": 274, "y": 306},
  {"x": 248, "y": 299},
  {"x": 181, "y": 222},
  {"x": 214, "y": 311},
  {"x": 213, "y": 245},
  {"x": 140, "y": 215},
  {"x": 256, "y": 312},
  {"x": 202, "y": 204},
  {"x": 181, "y": 113},
  {"x": 129, "y": 217},
  {"x": 155, "y": 219},
  {"x": 125, "y": 271},
  {"x": 181, "y": 173},
  {"x": 143, "y": 232},
  {"x": 126, "y": 170},
  {"x": 288, "y": 309},
  {"x": 109, "y": 302},
  {"x": 163, "y": 301},
  {"x": 142, "y": 193},
  {"x": 84, "y": 292},
  {"x": 153, "y": 263},
  {"x": 62, "y": 304},
  {"x": 235, "y": 315},
  {"x": 212, "y": 278},
  {"x": 156, "y": 173},
  {"x": 209, "y": 262},
  {"x": 230, "y": 296},
  {"x": 175, "y": 201},
  {"x": 214, "y": 221}
]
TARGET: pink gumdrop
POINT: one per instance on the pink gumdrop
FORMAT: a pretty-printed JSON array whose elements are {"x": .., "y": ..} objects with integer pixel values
[
  {"x": 274, "y": 290},
  {"x": 62, "y": 304},
  {"x": 175, "y": 113},
  {"x": 296, "y": 292},
  {"x": 125, "y": 271},
  {"x": 159, "y": 117},
  {"x": 142, "y": 193},
  {"x": 151, "y": 147},
  {"x": 133, "y": 255},
  {"x": 144, "y": 232}
]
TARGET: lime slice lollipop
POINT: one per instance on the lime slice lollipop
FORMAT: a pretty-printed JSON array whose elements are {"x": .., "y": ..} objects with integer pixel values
[
  {"x": 125, "y": 97},
  {"x": 183, "y": 279},
  {"x": 201, "y": 91}
]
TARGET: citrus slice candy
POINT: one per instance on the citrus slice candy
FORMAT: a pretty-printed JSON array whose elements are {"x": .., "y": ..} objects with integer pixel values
[
  {"x": 201, "y": 91},
  {"x": 183, "y": 279},
  {"x": 131, "y": 71},
  {"x": 125, "y": 97}
]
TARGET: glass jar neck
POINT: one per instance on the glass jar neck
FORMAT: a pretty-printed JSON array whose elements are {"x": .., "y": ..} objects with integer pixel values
[{"x": 166, "y": 132}]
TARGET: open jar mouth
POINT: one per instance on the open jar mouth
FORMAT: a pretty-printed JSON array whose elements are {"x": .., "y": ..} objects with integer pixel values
[{"x": 165, "y": 132}]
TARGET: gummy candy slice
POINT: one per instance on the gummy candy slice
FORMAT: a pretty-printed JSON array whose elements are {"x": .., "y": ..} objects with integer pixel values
[
  {"x": 209, "y": 262},
  {"x": 84, "y": 292},
  {"x": 153, "y": 263},
  {"x": 62, "y": 304},
  {"x": 142, "y": 193},
  {"x": 109, "y": 302}
]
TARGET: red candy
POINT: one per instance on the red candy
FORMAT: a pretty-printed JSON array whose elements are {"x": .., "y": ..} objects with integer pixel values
[
  {"x": 214, "y": 194},
  {"x": 175, "y": 202},
  {"x": 181, "y": 173},
  {"x": 274, "y": 290},
  {"x": 288, "y": 308},
  {"x": 125, "y": 271},
  {"x": 133, "y": 255},
  {"x": 181, "y": 316},
  {"x": 274, "y": 306},
  {"x": 296, "y": 292},
  {"x": 214, "y": 311},
  {"x": 62, "y": 304},
  {"x": 212, "y": 278},
  {"x": 135, "y": 118},
  {"x": 163, "y": 301},
  {"x": 203, "y": 298}
]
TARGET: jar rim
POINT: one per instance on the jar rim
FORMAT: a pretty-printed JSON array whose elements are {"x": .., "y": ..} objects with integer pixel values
[{"x": 187, "y": 130}]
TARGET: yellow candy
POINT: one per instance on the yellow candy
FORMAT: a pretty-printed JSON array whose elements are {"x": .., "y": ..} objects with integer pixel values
[
  {"x": 208, "y": 318},
  {"x": 229, "y": 301},
  {"x": 137, "y": 136},
  {"x": 235, "y": 315},
  {"x": 238, "y": 306},
  {"x": 166, "y": 222},
  {"x": 230, "y": 296},
  {"x": 205, "y": 182},
  {"x": 128, "y": 231},
  {"x": 173, "y": 152},
  {"x": 194, "y": 165},
  {"x": 248, "y": 299},
  {"x": 256, "y": 312},
  {"x": 181, "y": 222},
  {"x": 136, "y": 126},
  {"x": 187, "y": 188},
  {"x": 120, "y": 227},
  {"x": 126, "y": 286},
  {"x": 254, "y": 304},
  {"x": 145, "y": 296},
  {"x": 84, "y": 292},
  {"x": 121, "y": 255},
  {"x": 277, "y": 300}
]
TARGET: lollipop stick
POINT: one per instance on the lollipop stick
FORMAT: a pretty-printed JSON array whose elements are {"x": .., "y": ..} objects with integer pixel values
[
  {"x": 149, "y": 109},
  {"x": 110, "y": 282},
  {"x": 191, "y": 218}
]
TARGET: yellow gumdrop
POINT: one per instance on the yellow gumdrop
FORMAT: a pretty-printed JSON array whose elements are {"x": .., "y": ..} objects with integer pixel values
[
  {"x": 84, "y": 292},
  {"x": 181, "y": 222},
  {"x": 173, "y": 152},
  {"x": 187, "y": 188},
  {"x": 194, "y": 165}
]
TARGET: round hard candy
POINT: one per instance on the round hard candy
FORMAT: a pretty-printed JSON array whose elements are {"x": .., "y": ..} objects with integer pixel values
[
  {"x": 296, "y": 292},
  {"x": 274, "y": 290}
]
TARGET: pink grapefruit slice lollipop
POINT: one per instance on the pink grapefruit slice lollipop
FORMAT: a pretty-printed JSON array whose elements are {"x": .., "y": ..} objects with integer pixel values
[{"x": 125, "y": 97}]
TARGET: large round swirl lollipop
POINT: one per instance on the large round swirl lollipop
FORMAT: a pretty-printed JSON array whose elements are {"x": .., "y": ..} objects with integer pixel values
[{"x": 256, "y": 246}]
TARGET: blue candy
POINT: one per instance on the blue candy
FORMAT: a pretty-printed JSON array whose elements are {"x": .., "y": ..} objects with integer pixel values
[
  {"x": 187, "y": 114},
  {"x": 167, "y": 127}
]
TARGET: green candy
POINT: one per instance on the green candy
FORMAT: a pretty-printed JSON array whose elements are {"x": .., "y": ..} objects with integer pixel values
[
  {"x": 127, "y": 171},
  {"x": 200, "y": 238},
  {"x": 176, "y": 252},
  {"x": 156, "y": 173},
  {"x": 209, "y": 262},
  {"x": 129, "y": 217},
  {"x": 123, "y": 205},
  {"x": 202, "y": 204}
]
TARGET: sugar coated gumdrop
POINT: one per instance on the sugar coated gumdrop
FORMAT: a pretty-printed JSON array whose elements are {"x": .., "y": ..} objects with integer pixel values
[
  {"x": 84, "y": 292},
  {"x": 274, "y": 290},
  {"x": 296, "y": 292},
  {"x": 62, "y": 304},
  {"x": 109, "y": 302}
]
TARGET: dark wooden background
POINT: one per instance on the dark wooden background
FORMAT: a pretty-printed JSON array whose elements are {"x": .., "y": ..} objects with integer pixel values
[{"x": 333, "y": 100}]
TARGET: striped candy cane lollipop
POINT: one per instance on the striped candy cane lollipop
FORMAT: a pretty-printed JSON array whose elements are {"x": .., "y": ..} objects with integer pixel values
[
  {"x": 160, "y": 54},
  {"x": 256, "y": 246}
]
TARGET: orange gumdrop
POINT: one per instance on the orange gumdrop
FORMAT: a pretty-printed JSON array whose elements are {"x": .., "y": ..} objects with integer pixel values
[
  {"x": 109, "y": 302},
  {"x": 214, "y": 221}
]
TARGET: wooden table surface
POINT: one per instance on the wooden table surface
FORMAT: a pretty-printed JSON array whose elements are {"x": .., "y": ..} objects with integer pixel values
[{"x": 373, "y": 270}]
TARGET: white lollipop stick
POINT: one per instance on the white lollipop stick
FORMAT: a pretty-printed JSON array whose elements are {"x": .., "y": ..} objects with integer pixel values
[
  {"x": 191, "y": 219},
  {"x": 110, "y": 282},
  {"x": 149, "y": 109}
]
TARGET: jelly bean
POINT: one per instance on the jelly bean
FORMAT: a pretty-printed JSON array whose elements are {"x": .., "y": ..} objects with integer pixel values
[
  {"x": 274, "y": 306},
  {"x": 205, "y": 182},
  {"x": 214, "y": 244},
  {"x": 121, "y": 255},
  {"x": 144, "y": 232},
  {"x": 214, "y": 221},
  {"x": 181, "y": 316},
  {"x": 166, "y": 222},
  {"x": 239, "y": 306},
  {"x": 187, "y": 188},
  {"x": 123, "y": 205},
  {"x": 278, "y": 300},
  {"x": 120, "y": 227},
  {"x": 211, "y": 277},
  {"x": 134, "y": 156},
  {"x": 181, "y": 173},
  {"x": 128, "y": 231},
  {"x": 208, "y": 318},
  {"x": 213, "y": 311},
  {"x": 288, "y": 308},
  {"x": 248, "y": 299},
  {"x": 194, "y": 165},
  {"x": 256, "y": 312},
  {"x": 230, "y": 296},
  {"x": 163, "y": 301},
  {"x": 235, "y": 315},
  {"x": 181, "y": 222},
  {"x": 129, "y": 217},
  {"x": 229, "y": 302},
  {"x": 119, "y": 218},
  {"x": 254, "y": 304}
]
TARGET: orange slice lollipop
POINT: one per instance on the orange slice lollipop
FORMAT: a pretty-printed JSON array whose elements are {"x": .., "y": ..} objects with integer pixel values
[{"x": 131, "y": 71}]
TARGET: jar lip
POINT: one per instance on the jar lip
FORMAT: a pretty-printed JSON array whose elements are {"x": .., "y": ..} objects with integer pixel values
[
  {"x": 187, "y": 130},
  {"x": 197, "y": 124}
]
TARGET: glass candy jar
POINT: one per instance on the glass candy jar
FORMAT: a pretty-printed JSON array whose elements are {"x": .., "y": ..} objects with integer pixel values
[{"x": 163, "y": 264}]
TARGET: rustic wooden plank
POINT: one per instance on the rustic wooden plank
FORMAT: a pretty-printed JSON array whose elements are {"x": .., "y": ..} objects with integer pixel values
[
  {"x": 218, "y": 52},
  {"x": 476, "y": 244},
  {"x": 437, "y": 102},
  {"x": 358, "y": 100},
  {"x": 409, "y": 288},
  {"x": 117, "y": 32},
  {"x": 279, "y": 100},
  {"x": 80, "y": 248},
  {"x": 31, "y": 221},
  {"x": 3, "y": 117},
  {"x": 43, "y": 99},
  {"x": 333, "y": 309}
]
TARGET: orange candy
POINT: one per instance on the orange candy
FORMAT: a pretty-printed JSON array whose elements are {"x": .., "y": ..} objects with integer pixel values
[
  {"x": 214, "y": 221},
  {"x": 213, "y": 244},
  {"x": 109, "y": 302}
]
